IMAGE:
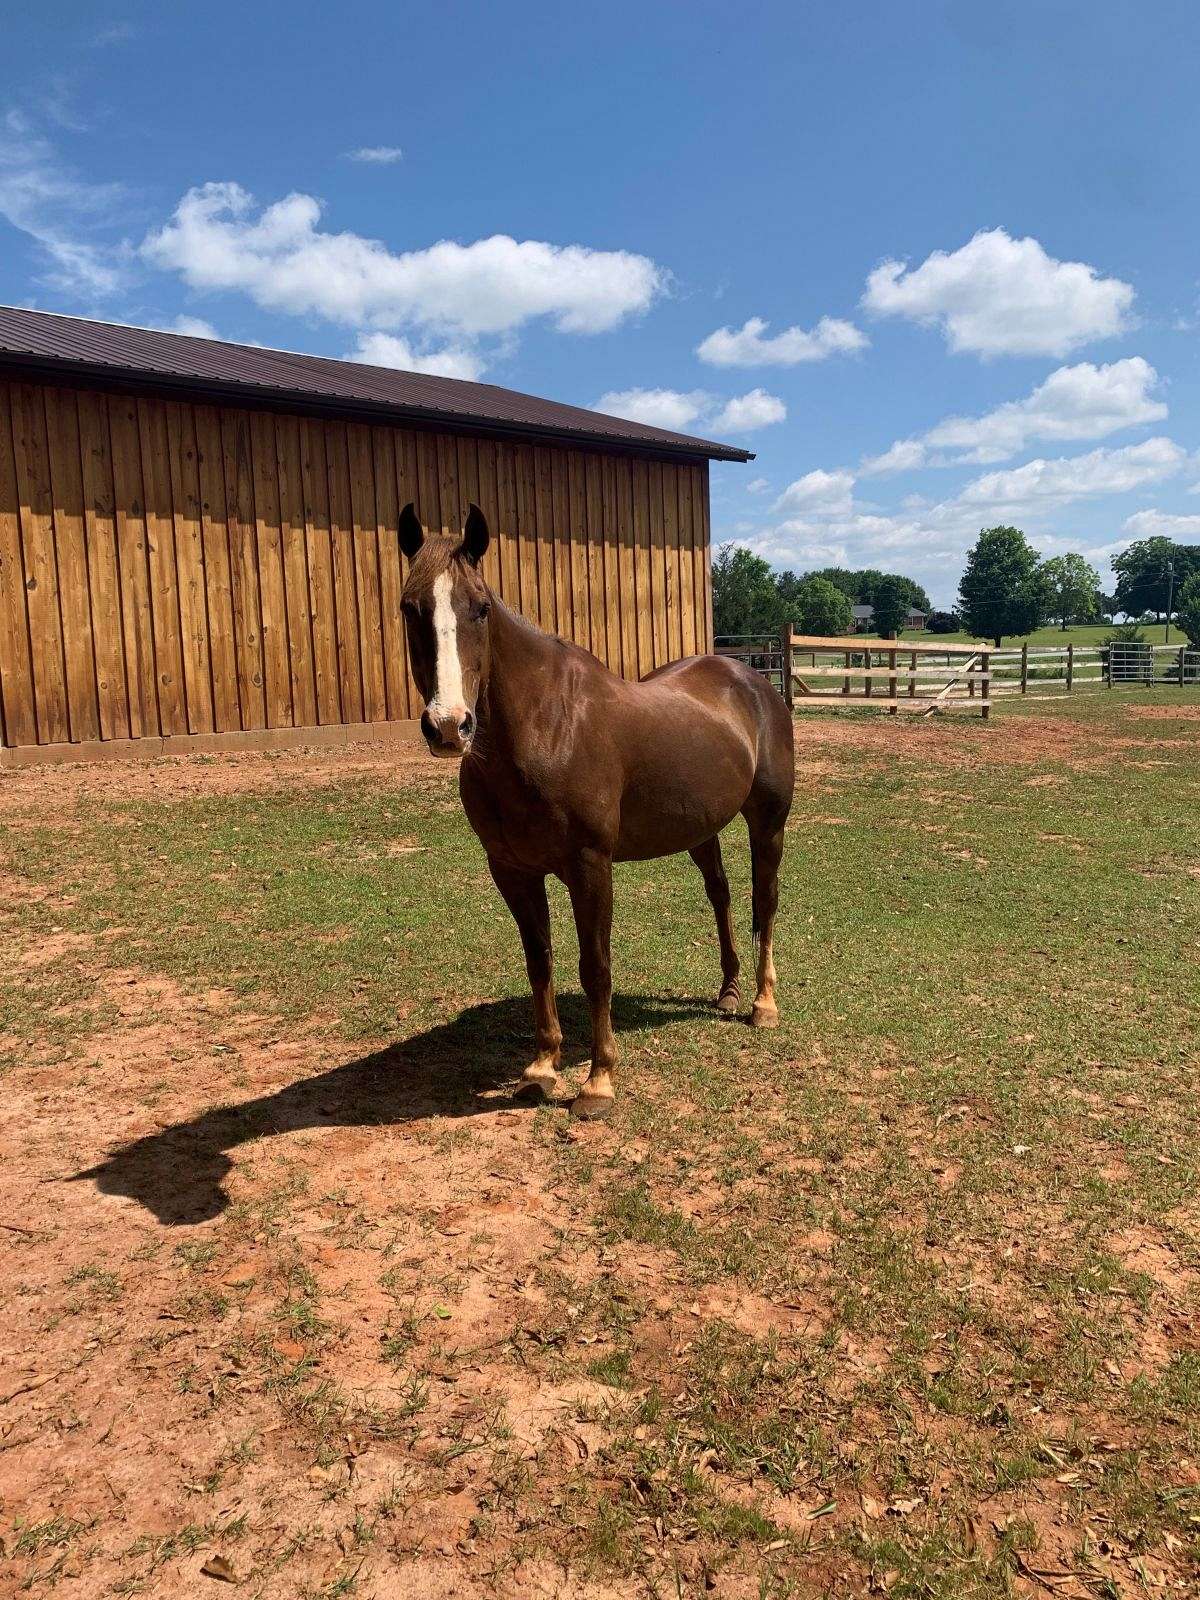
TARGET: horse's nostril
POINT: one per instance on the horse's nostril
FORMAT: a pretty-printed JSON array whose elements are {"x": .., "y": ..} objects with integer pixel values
[
  {"x": 429, "y": 727},
  {"x": 467, "y": 726}
]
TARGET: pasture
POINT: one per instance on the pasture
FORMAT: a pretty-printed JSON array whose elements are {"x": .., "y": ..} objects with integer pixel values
[
  {"x": 1092, "y": 634},
  {"x": 902, "y": 1298}
]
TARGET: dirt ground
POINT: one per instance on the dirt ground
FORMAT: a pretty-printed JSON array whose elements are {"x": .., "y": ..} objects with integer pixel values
[{"x": 254, "y": 1336}]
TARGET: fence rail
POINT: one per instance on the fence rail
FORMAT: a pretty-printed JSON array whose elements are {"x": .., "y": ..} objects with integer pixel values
[
  {"x": 921, "y": 676},
  {"x": 900, "y": 676}
]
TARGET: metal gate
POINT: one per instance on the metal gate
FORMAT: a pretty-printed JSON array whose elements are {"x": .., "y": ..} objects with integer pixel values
[{"x": 1130, "y": 664}]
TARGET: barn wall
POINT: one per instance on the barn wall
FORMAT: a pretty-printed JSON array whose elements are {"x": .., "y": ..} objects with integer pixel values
[{"x": 168, "y": 568}]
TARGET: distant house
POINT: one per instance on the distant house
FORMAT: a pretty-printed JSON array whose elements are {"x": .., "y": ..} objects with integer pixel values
[{"x": 863, "y": 618}]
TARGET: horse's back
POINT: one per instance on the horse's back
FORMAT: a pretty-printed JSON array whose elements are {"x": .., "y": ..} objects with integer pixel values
[{"x": 729, "y": 686}]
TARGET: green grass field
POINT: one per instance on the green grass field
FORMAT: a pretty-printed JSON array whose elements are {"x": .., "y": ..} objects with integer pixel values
[
  {"x": 901, "y": 1298},
  {"x": 1084, "y": 633}
]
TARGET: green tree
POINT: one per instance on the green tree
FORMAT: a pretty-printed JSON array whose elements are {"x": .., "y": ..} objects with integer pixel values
[
  {"x": 1002, "y": 590},
  {"x": 1144, "y": 576},
  {"x": 787, "y": 585},
  {"x": 1072, "y": 589},
  {"x": 891, "y": 604},
  {"x": 871, "y": 580},
  {"x": 745, "y": 595},
  {"x": 821, "y": 608},
  {"x": 917, "y": 597},
  {"x": 841, "y": 578},
  {"x": 1188, "y": 613},
  {"x": 860, "y": 586}
]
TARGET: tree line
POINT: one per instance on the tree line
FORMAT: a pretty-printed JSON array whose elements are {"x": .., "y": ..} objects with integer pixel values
[
  {"x": 750, "y": 598},
  {"x": 1006, "y": 590}
]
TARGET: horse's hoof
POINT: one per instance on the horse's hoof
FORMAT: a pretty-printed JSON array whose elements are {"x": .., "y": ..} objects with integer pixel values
[
  {"x": 764, "y": 1016},
  {"x": 592, "y": 1107},
  {"x": 727, "y": 1004},
  {"x": 539, "y": 1085}
]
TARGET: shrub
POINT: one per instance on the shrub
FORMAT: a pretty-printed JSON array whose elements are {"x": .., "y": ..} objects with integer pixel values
[
  {"x": 1125, "y": 633},
  {"x": 944, "y": 622}
]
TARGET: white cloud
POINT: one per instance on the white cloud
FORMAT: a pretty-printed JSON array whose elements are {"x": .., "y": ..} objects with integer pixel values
[
  {"x": 195, "y": 326},
  {"x": 1079, "y": 402},
  {"x": 745, "y": 412},
  {"x": 928, "y": 548},
  {"x": 823, "y": 523},
  {"x": 903, "y": 456},
  {"x": 679, "y": 410},
  {"x": 657, "y": 408},
  {"x": 860, "y": 538},
  {"x": 393, "y": 350},
  {"x": 758, "y": 485},
  {"x": 1003, "y": 296},
  {"x": 819, "y": 492},
  {"x": 1145, "y": 524},
  {"x": 47, "y": 202},
  {"x": 1067, "y": 478},
  {"x": 748, "y": 345},
  {"x": 798, "y": 545},
  {"x": 382, "y": 155},
  {"x": 217, "y": 239}
]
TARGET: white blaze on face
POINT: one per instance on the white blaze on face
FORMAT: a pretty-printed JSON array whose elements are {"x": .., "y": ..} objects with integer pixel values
[{"x": 448, "y": 687}]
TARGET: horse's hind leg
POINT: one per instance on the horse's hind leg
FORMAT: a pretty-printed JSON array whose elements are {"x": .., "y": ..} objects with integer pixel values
[
  {"x": 766, "y": 852},
  {"x": 707, "y": 857},
  {"x": 525, "y": 896}
]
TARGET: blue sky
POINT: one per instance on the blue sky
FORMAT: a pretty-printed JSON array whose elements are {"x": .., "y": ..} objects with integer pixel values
[{"x": 936, "y": 263}]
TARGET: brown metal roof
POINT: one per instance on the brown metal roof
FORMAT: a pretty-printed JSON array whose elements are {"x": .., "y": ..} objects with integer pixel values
[{"x": 73, "y": 347}]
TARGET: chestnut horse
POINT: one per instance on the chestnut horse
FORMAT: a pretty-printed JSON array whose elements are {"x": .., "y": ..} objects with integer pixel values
[{"x": 567, "y": 768}]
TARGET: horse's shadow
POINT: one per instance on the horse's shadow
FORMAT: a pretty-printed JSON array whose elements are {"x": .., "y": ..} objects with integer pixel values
[{"x": 446, "y": 1071}]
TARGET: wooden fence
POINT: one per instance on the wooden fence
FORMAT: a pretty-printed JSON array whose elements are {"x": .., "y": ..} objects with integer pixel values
[
  {"x": 892, "y": 676},
  {"x": 1043, "y": 672},
  {"x": 812, "y": 672}
]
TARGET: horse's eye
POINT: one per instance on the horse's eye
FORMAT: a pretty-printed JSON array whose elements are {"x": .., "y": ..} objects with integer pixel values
[
  {"x": 479, "y": 611},
  {"x": 411, "y": 611}
]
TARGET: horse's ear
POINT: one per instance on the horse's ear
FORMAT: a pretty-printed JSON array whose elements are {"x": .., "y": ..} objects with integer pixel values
[
  {"x": 412, "y": 534},
  {"x": 475, "y": 535}
]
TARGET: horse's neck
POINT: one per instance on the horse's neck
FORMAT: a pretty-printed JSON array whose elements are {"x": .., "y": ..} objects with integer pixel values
[{"x": 523, "y": 680}]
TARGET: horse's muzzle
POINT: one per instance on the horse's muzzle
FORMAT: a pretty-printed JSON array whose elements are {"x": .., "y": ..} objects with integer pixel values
[{"x": 448, "y": 734}]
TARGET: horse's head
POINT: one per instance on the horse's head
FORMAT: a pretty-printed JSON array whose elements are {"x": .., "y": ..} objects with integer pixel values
[{"x": 445, "y": 605}]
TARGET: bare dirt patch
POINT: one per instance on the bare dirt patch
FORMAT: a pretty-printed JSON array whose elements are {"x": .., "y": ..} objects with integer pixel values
[
  {"x": 1014, "y": 741},
  {"x": 47, "y": 792},
  {"x": 242, "y": 1266},
  {"x": 1179, "y": 713}
]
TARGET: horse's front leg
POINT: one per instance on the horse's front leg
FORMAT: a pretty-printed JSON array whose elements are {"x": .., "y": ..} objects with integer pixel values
[
  {"x": 525, "y": 896},
  {"x": 590, "y": 888}
]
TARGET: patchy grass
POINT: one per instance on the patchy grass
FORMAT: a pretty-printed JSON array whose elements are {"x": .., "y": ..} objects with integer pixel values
[
  {"x": 1079, "y": 633},
  {"x": 901, "y": 1297}
]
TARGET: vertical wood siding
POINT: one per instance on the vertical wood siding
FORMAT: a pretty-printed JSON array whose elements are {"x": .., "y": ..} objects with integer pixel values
[{"x": 168, "y": 568}]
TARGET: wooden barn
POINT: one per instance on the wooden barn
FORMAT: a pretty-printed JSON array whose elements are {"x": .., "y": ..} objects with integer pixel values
[{"x": 198, "y": 539}]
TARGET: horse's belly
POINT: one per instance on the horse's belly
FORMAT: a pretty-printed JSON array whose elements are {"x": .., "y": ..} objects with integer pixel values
[{"x": 671, "y": 811}]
